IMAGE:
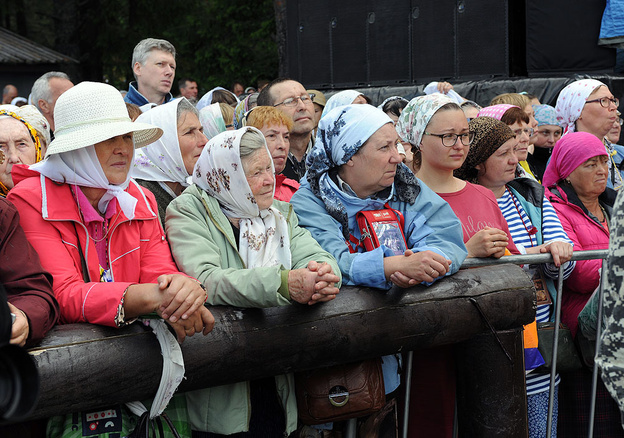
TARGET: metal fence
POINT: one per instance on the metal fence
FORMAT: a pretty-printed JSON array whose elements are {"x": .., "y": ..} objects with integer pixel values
[{"x": 547, "y": 258}]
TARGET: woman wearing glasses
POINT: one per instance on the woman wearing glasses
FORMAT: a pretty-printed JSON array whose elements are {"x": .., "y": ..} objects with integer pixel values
[
  {"x": 589, "y": 106},
  {"x": 437, "y": 129},
  {"x": 534, "y": 228}
]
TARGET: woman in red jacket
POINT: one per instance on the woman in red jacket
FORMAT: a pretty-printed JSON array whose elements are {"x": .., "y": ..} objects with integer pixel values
[{"x": 97, "y": 231}]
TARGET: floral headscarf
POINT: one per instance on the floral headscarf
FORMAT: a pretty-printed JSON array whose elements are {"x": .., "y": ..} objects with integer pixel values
[
  {"x": 161, "y": 160},
  {"x": 545, "y": 115},
  {"x": 571, "y": 101},
  {"x": 416, "y": 116},
  {"x": 569, "y": 153},
  {"x": 341, "y": 133},
  {"x": 264, "y": 238},
  {"x": 33, "y": 135},
  {"x": 345, "y": 97},
  {"x": 212, "y": 121},
  {"x": 495, "y": 111}
]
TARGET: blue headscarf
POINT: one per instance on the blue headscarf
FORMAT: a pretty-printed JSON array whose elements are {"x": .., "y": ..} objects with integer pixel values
[
  {"x": 545, "y": 115},
  {"x": 341, "y": 133}
]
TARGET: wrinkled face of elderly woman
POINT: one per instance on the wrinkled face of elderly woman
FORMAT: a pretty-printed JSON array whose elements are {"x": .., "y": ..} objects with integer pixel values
[
  {"x": 599, "y": 113},
  {"x": 589, "y": 180},
  {"x": 115, "y": 156},
  {"x": 259, "y": 173},
  {"x": 18, "y": 148},
  {"x": 191, "y": 138},
  {"x": 373, "y": 167}
]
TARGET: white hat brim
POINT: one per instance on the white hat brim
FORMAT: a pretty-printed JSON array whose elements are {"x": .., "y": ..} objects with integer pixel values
[{"x": 96, "y": 132}]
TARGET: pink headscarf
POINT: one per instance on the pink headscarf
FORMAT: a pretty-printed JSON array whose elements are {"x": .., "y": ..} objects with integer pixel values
[
  {"x": 495, "y": 111},
  {"x": 569, "y": 153}
]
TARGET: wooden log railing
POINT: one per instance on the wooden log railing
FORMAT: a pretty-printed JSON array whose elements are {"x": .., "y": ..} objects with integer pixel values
[{"x": 84, "y": 366}]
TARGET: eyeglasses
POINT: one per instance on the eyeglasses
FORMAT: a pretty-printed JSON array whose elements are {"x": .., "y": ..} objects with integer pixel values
[
  {"x": 605, "y": 101},
  {"x": 292, "y": 101},
  {"x": 449, "y": 140},
  {"x": 528, "y": 131},
  {"x": 621, "y": 121},
  {"x": 547, "y": 133}
]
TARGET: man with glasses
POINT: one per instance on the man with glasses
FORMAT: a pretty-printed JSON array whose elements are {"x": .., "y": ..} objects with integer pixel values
[{"x": 291, "y": 98}]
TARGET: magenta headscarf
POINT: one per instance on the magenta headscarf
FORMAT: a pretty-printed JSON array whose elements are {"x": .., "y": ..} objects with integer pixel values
[
  {"x": 495, "y": 111},
  {"x": 569, "y": 153}
]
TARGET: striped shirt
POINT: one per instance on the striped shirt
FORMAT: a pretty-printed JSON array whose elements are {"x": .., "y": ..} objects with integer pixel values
[{"x": 520, "y": 227}]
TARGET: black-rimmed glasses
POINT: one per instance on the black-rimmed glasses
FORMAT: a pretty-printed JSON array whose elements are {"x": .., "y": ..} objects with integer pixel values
[
  {"x": 449, "y": 140},
  {"x": 605, "y": 101}
]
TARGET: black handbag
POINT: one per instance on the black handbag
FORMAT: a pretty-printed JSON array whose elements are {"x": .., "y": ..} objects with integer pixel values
[{"x": 568, "y": 358}]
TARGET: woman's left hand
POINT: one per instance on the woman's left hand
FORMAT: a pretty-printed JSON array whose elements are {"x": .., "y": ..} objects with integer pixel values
[
  {"x": 561, "y": 251},
  {"x": 20, "y": 329},
  {"x": 201, "y": 321},
  {"x": 182, "y": 296}
]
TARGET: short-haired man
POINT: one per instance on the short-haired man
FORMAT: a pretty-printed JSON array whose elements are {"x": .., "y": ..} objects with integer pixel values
[
  {"x": 276, "y": 127},
  {"x": 46, "y": 90},
  {"x": 153, "y": 66},
  {"x": 188, "y": 89},
  {"x": 291, "y": 98},
  {"x": 9, "y": 92}
]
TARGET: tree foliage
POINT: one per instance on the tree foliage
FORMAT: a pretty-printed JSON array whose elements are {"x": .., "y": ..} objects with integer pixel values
[{"x": 218, "y": 41}]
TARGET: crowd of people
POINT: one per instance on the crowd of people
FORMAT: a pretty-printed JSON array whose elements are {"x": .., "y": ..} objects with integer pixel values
[{"x": 122, "y": 205}]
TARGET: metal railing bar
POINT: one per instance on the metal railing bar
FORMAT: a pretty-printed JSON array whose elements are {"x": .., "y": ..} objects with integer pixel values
[
  {"x": 533, "y": 258},
  {"x": 592, "y": 409},
  {"x": 553, "y": 371}
]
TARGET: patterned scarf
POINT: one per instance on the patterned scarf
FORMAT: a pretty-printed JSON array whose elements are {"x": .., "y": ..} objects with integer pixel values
[
  {"x": 264, "y": 238},
  {"x": 341, "y": 133},
  {"x": 416, "y": 116},
  {"x": 571, "y": 101}
]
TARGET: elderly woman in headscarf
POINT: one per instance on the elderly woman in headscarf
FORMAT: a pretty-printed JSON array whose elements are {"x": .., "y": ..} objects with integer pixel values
[
  {"x": 165, "y": 166},
  {"x": 534, "y": 228},
  {"x": 355, "y": 166},
  {"x": 248, "y": 250},
  {"x": 20, "y": 144},
  {"x": 576, "y": 181},
  {"x": 588, "y": 105},
  {"x": 95, "y": 229},
  {"x": 346, "y": 97}
]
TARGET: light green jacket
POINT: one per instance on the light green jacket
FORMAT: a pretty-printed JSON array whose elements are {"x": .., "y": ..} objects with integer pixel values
[{"x": 203, "y": 246}]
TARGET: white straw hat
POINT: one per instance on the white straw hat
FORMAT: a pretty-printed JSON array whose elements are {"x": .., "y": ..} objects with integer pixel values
[{"x": 92, "y": 112}]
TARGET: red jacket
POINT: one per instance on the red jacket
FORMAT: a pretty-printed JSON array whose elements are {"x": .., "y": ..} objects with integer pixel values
[
  {"x": 587, "y": 234},
  {"x": 285, "y": 188},
  {"x": 138, "y": 251}
]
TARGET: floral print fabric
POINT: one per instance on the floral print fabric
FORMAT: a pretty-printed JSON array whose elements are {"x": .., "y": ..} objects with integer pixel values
[
  {"x": 416, "y": 115},
  {"x": 264, "y": 238}
]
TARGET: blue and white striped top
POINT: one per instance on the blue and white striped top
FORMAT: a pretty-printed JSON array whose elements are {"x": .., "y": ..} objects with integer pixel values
[{"x": 519, "y": 227}]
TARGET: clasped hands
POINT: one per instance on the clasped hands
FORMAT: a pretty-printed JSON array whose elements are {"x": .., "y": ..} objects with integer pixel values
[
  {"x": 182, "y": 306},
  {"x": 313, "y": 284},
  {"x": 413, "y": 268}
]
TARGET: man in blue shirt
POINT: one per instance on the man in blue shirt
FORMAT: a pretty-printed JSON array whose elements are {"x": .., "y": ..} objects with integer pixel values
[{"x": 153, "y": 66}]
